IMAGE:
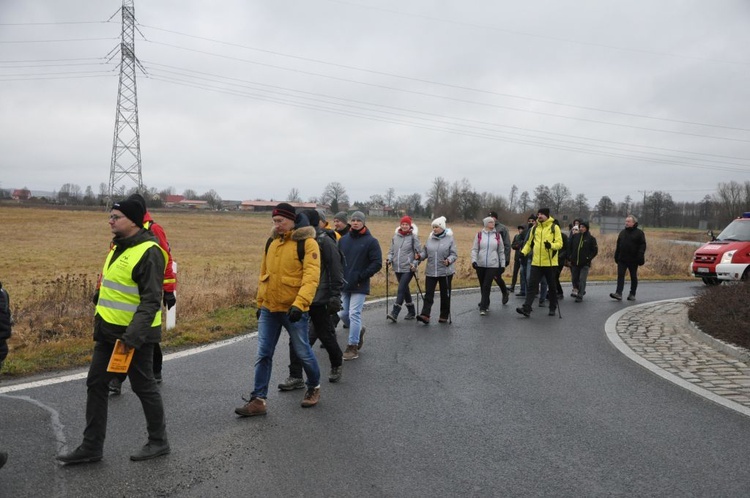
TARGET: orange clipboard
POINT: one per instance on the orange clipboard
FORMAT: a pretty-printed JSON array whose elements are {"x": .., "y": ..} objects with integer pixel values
[{"x": 119, "y": 362}]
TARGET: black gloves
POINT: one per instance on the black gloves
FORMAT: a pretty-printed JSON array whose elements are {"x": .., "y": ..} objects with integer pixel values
[
  {"x": 169, "y": 299},
  {"x": 474, "y": 265},
  {"x": 95, "y": 298},
  {"x": 334, "y": 305},
  {"x": 500, "y": 270},
  {"x": 547, "y": 244},
  {"x": 295, "y": 314},
  {"x": 257, "y": 314}
]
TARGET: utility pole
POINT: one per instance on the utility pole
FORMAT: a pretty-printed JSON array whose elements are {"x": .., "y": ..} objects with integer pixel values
[
  {"x": 126, "y": 145},
  {"x": 643, "y": 208}
]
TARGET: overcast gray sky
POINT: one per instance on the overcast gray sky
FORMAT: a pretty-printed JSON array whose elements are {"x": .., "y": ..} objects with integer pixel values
[{"x": 252, "y": 98}]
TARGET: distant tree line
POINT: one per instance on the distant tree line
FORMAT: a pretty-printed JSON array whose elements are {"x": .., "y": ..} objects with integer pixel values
[{"x": 459, "y": 201}]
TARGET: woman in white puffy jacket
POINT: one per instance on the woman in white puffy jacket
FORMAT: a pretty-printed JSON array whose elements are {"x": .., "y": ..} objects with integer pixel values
[
  {"x": 439, "y": 255},
  {"x": 488, "y": 259}
]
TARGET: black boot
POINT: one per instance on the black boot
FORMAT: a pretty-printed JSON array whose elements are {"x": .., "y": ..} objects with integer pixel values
[
  {"x": 411, "y": 312},
  {"x": 393, "y": 315}
]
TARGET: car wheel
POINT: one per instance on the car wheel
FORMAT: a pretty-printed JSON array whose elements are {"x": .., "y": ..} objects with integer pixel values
[{"x": 711, "y": 281}]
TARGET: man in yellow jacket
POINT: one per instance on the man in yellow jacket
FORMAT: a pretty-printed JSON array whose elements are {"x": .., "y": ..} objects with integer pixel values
[
  {"x": 289, "y": 275},
  {"x": 544, "y": 241}
]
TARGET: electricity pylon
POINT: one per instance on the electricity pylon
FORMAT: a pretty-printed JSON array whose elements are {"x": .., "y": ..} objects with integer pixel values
[{"x": 126, "y": 146}]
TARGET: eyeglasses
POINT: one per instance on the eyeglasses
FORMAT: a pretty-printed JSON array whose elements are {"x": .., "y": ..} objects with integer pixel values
[{"x": 114, "y": 217}]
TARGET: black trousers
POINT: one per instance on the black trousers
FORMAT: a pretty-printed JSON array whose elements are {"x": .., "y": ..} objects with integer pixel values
[
  {"x": 445, "y": 295},
  {"x": 498, "y": 277},
  {"x": 158, "y": 360},
  {"x": 141, "y": 374},
  {"x": 485, "y": 277},
  {"x": 322, "y": 328},
  {"x": 631, "y": 268},
  {"x": 537, "y": 272}
]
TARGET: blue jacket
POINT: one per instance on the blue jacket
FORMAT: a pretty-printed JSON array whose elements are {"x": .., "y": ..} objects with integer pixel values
[{"x": 363, "y": 259}]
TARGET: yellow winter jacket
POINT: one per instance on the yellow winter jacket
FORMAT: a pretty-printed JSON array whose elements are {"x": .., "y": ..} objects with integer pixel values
[
  {"x": 284, "y": 280},
  {"x": 545, "y": 231}
]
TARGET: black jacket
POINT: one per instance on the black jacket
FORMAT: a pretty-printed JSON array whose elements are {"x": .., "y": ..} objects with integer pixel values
[
  {"x": 631, "y": 246},
  {"x": 5, "y": 320},
  {"x": 331, "y": 268},
  {"x": 582, "y": 249}
]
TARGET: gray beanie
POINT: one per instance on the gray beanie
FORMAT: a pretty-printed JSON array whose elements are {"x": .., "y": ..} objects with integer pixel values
[
  {"x": 341, "y": 216},
  {"x": 358, "y": 215}
]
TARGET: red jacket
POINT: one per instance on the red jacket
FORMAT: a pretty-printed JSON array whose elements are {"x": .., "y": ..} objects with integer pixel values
[{"x": 170, "y": 279}]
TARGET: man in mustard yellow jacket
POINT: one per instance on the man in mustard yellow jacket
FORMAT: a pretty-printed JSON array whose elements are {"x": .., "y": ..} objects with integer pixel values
[
  {"x": 289, "y": 275},
  {"x": 544, "y": 241}
]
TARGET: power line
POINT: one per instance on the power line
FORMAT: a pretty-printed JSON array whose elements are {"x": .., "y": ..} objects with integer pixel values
[{"x": 448, "y": 85}]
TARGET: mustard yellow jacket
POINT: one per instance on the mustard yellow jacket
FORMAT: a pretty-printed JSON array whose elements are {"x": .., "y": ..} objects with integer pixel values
[
  {"x": 547, "y": 231},
  {"x": 284, "y": 280}
]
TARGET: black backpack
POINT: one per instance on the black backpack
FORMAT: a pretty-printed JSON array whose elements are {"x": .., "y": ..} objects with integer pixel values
[{"x": 300, "y": 248}]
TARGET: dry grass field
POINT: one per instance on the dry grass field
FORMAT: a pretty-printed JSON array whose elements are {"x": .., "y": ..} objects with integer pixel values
[{"x": 51, "y": 259}]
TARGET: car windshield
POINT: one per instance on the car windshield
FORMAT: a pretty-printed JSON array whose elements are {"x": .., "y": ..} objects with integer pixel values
[{"x": 736, "y": 230}]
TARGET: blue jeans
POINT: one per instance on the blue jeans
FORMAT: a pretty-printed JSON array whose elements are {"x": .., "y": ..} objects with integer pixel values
[
  {"x": 269, "y": 330},
  {"x": 351, "y": 314}
]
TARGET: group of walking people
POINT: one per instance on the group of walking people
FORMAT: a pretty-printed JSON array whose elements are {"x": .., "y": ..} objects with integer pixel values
[{"x": 312, "y": 277}]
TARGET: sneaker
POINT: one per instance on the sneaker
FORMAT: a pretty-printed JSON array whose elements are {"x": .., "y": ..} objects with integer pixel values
[
  {"x": 442, "y": 320},
  {"x": 631, "y": 297},
  {"x": 411, "y": 312},
  {"x": 424, "y": 319},
  {"x": 552, "y": 311},
  {"x": 335, "y": 374},
  {"x": 150, "y": 450},
  {"x": 312, "y": 396},
  {"x": 506, "y": 296},
  {"x": 361, "y": 338},
  {"x": 256, "y": 406},
  {"x": 512, "y": 289},
  {"x": 292, "y": 383},
  {"x": 579, "y": 299},
  {"x": 483, "y": 312},
  {"x": 351, "y": 353},
  {"x": 524, "y": 311},
  {"x": 542, "y": 303},
  {"x": 115, "y": 386},
  {"x": 574, "y": 293},
  {"x": 616, "y": 295}
]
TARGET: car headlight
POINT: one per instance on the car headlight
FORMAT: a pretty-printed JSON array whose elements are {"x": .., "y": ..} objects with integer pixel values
[{"x": 727, "y": 257}]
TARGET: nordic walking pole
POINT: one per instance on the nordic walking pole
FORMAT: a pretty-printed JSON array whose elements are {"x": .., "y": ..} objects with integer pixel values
[{"x": 386, "y": 287}]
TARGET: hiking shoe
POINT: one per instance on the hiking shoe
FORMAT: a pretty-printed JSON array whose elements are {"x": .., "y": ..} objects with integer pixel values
[
  {"x": 442, "y": 320},
  {"x": 391, "y": 317},
  {"x": 424, "y": 319},
  {"x": 411, "y": 312},
  {"x": 292, "y": 383},
  {"x": 631, "y": 297},
  {"x": 351, "y": 353},
  {"x": 361, "y": 338},
  {"x": 256, "y": 406},
  {"x": 312, "y": 396},
  {"x": 80, "y": 455},
  {"x": 574, "y": 293},
  {"x": 552, "y": 311},
  {"x": 150, "y": 450},
  {"x": 512, "y": 289},
  {"x": 115, "y": 386},
  {"x": 483, "y": 312},
  {"x": 335, "y": 374},
  {"x": 579, "y": 299},
  {"x": 524, "y": 311},
  {"x": 506, "y": 296},
  {"x": 616, "y": 295}
]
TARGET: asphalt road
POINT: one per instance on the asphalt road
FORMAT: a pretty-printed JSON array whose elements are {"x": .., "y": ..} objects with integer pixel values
[{"x": 499, "y": 405}]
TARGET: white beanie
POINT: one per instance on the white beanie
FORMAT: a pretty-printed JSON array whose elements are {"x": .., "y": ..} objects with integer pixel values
[
  {"x": 487, "y": 220},
  {"x": 440, "y": 222}
]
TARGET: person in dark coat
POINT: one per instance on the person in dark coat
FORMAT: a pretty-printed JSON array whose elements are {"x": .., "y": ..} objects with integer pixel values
[
  {"x": 630, "y": 253},
  {"x": 582, "y": 249}
]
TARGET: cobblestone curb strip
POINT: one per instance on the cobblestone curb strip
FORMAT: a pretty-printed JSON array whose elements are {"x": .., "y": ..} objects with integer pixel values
[{"x": 659, "y": 337}]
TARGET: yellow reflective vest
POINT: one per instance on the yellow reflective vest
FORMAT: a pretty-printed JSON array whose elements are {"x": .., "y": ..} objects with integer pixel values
[{"x": 118, "y": 296}]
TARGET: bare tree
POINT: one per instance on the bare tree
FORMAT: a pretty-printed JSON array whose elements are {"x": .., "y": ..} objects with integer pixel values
[
  {"x": 293, "y": 195},
  {"x": 212, "y": 198},
  {"x": 190, "y": 194},
  {"x": 513, "y": 198},
  {"x": 390, "y": 194},
  {"x": 731, "y": 198},
  {"x": 581, "y": 204},
  {"x": 559, "y": 196},
  {"x": 524, "y": 201},
  {"x": 605, "y": 207},
  {"x": 660, "y": 205},
  {"x": 334, "y": 195},
  {"x": 438, "y": 195},
  {"x": 542, "y": 197}
]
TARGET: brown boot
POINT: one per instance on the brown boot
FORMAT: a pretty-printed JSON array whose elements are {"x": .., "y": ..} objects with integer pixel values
[
  {"x": 312, "y": 396},
  {"x": 256, "y": 406}
]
